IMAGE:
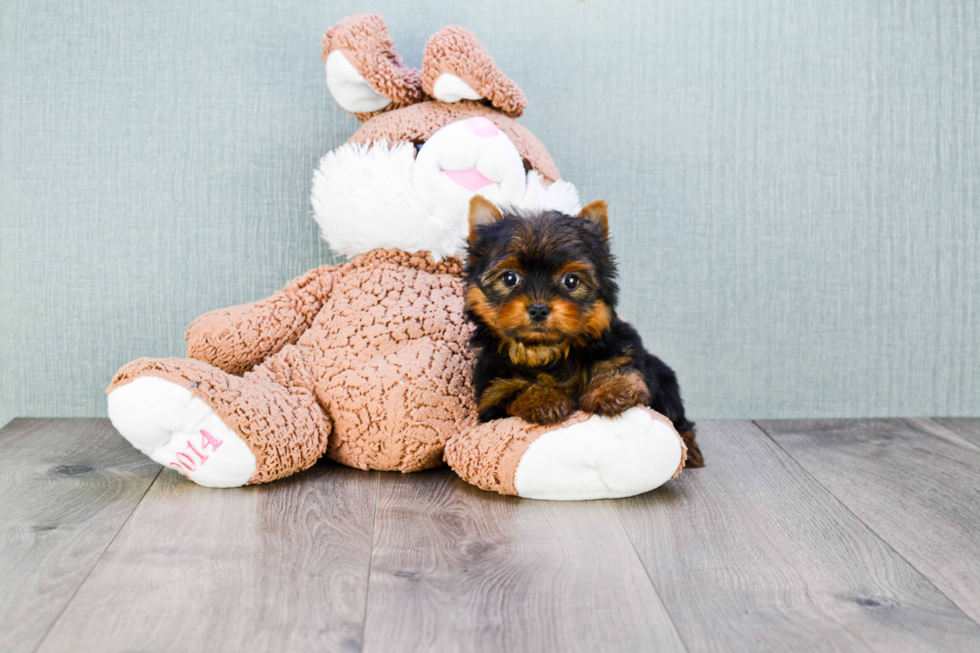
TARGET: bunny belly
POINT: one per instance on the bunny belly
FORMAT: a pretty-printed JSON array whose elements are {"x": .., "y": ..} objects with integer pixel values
[{"x": 390, "y": 360}]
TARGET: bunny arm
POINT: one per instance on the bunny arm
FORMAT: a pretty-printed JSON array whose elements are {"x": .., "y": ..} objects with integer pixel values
[
  {"x": 237, "y": 338},
  {"x": 583, "y": 457}
]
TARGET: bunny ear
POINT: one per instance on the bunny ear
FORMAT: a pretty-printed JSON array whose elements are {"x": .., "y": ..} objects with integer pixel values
[
  {"x": 364, "y": 72},
  {"x": 456, "y": 67}
]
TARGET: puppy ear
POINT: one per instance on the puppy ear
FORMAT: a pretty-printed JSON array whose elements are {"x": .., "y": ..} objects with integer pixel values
[
  {"x": 597, "y": 212},
  {"x": 482, "y": 211}
]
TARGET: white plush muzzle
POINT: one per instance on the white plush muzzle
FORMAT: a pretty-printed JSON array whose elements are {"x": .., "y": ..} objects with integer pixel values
[{"x": 382, "y": 196}]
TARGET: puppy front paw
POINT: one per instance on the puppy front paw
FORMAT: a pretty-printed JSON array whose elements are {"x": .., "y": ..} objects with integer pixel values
[
  {"x": 542, "y": 404},
  {"x": 615, "y": 393}
]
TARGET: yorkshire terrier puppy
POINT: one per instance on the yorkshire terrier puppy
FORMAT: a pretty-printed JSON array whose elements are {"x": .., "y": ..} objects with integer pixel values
[{"x": 541, "y": 292}]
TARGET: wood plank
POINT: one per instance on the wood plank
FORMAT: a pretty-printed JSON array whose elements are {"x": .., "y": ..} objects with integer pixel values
[
  {"x": 915, "y": 483},
  {"x": 66, "y": 488},
  {"x": 458, "y": 569},
  {"x": 277, "y": 567},
  {"x": 750, "y": 553},
  {"x": 966, "y": 427}
]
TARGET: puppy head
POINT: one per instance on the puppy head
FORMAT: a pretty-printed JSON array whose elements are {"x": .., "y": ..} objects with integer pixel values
[{"x": 541, "y": 280}]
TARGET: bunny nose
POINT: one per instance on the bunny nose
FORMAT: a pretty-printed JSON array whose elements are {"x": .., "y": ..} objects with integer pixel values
[{"x": 481, "y": 126}]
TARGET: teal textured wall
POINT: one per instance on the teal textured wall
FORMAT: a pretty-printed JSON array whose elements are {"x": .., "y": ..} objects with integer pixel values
[{"x": 794, "y": 187}]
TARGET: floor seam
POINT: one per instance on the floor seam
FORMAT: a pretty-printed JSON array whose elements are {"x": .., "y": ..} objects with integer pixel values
[
  {"x": 374, "y": 526},
  {"x": 646, "y": 572},
  {"x": 864, "y": 523},
  {"x": 941, "y": 432},
  {"x": 61, "y": 613}
]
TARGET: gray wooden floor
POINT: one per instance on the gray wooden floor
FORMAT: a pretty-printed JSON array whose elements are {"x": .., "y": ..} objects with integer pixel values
[{"x": 800, "y": 535}]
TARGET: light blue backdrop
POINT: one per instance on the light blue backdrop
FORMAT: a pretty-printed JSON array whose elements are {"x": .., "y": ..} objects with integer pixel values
[{"x": 794, "y": 186}]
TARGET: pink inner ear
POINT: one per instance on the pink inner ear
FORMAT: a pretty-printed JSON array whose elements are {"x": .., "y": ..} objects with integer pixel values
[{"x": 469, "y": 179}]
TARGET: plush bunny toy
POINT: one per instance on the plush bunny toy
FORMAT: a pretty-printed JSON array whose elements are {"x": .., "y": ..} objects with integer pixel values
[{"x": 368, "y": 362}]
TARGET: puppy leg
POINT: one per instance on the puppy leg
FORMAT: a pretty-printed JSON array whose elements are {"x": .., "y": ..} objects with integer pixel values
[
  {"x": 542, "y": 402},
  {"x": 492, "y": 401},
  {"x": 614, "y": 392},
  {"x": 694, "y": 455},
  {"x": 665, "y": 398}
]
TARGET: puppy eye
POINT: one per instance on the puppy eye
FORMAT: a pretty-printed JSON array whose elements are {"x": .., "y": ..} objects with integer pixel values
[
  {"x": 510, "y": 278},
  {"x": 570, "y": 281}
]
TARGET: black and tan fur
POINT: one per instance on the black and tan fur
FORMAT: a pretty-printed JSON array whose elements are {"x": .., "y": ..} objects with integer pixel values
[{"x": 541, "y": 292}]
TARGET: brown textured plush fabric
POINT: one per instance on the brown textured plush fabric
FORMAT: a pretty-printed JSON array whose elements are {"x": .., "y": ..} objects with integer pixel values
[
  {"x": 237, "y": 338},
  {"x": 487, "y": 455},
  {"x": 364, "y": 40},
  {"x": 455, "y": 50},
  {"x": 420, "y": 121},
  {"x": 272, "y": 408},
  {"x": 392, "y": 361},
  {"x": 366, "y": 362}
]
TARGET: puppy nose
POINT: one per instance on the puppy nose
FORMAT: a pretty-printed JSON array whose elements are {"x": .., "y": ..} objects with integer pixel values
[
  {"x": 481, "y": 126},
  {"x": 538, "y": 311}
]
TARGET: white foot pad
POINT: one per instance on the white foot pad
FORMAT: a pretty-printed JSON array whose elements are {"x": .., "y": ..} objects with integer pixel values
[
  {"x": 600, "y": 458},
  {"x": 178, "y": 430}
]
